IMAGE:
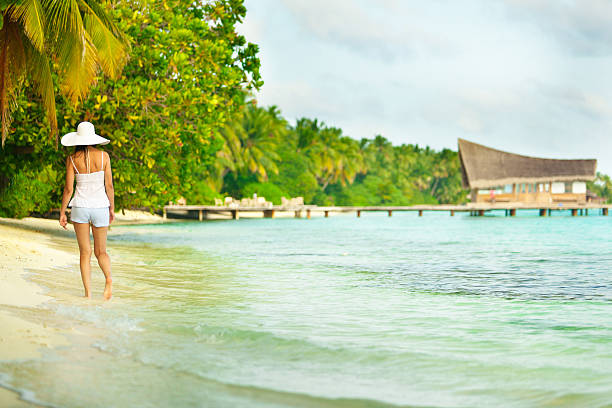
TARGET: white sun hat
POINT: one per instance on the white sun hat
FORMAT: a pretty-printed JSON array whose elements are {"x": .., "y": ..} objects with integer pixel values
[{"x": 85, "y": 135}]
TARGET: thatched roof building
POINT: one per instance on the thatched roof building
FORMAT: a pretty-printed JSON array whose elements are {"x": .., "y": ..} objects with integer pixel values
[{"x": 483, "y": 167}]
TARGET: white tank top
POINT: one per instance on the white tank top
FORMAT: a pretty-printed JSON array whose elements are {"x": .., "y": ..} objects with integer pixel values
[{"x": 90, "y": 191}]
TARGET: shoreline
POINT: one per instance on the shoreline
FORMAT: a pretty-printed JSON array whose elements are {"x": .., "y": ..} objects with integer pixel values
[
  {"x": 25, "y": 245},
  {"x": 35, "y": 244}
]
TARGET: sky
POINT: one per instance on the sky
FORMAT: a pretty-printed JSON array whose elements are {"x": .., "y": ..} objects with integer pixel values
[{"x": 527, "y": 76}]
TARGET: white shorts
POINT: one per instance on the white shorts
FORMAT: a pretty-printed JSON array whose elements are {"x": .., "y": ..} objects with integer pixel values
[{"x": 99, "y": 217}]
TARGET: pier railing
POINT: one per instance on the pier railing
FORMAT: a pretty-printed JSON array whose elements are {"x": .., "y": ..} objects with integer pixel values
[{"x": 476, "y": 209}]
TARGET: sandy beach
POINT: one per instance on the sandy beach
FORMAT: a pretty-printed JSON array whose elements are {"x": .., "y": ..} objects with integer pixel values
[{"x": 34, "y": 244}]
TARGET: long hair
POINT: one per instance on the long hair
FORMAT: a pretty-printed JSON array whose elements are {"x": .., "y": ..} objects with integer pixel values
[{"x": 81, "y": 148}]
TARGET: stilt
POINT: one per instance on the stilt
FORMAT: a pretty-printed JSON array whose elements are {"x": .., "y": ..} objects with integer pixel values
[
  {"x": 308, "y": 214},
  {"x": 513, "y": 212},
  {"x": 574, "y": 212},
  {"x": 452, "y": 213},
  {"x": 165, "y": 215},
  {"x": 200, "y": 215},
  {"x": 358, "y": 213},
  {"x": 326, "y": 214},
  {"x": 480, "y": 213},
  {"x": 390, "y": 213},
  {"x": 420, "y": 213},
  {"x": 542, "y": 212},
  {"x": 605, "y": 211},
  {"x": 581, "y": 211},
  {"x": 586, "y": 211},
  {"x": 268, "y": 213},
  {"x": 298, "y": 214},
  {"x": 549, "y": 212},
  {"x": 235, "y": 215}
]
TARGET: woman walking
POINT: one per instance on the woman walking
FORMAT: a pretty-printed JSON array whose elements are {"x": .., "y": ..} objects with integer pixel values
[{"x": 93, "y": 202}]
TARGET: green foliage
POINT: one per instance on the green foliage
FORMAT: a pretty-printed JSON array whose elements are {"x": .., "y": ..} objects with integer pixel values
[
  {"x": 29, "y": 192},
  {"x": 294, "y": 176},
  {"x": 187, "y": 74},
  {"x": 75, "y": 40},
  {"x": 326, "y": 167},
  {"x": 269, "y": 191},
  {"x": 250, "y": 143},
  {"x": 201, "y": 192},
  {"x": 602, "y": 186}
]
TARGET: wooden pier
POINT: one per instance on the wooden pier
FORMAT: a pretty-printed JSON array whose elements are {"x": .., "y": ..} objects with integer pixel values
[{"x": 477, "y": 209}]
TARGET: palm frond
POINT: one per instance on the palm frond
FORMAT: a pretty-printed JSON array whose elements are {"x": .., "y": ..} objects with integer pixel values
[
  {"x": 12, "y": 64},
  {"x": 64, "y": 17},
  {"x": 110, "y": 50},
  {"x": 40, "y": 72},
  {"x": 31, "y": 15},
  {"x": 93, "y": 7},
  {"x": 78, "y": 62}
]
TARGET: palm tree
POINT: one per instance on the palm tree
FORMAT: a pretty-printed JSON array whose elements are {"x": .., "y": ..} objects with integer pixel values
[
  {"x": 250, "y": 143},
  {"x": 77, "y": 37},
  {"x": 333, "y": 157}
]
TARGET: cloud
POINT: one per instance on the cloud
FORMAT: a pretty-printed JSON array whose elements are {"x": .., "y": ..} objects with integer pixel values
[
  {"x": 354, "y": 25},
  {"x": 582, "y": 27}
]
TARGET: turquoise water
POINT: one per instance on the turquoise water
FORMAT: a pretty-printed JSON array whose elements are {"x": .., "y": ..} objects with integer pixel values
[{"x": 432, "y": 311}]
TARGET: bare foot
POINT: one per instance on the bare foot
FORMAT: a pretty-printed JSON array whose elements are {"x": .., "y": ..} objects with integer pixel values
[{"x": 108, "y": 289}]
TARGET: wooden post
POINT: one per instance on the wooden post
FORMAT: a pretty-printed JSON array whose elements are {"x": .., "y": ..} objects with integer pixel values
[
  {"x": 452, "y": 213},
  {"x": 542, "y": 212},
  {"x": 390, "y": 213},
  {"x": 326, "y": 214},
  {"x": 605, "y": 211},
  {"x": 298, "y": 214},
  {"x": 165, "y": 215},
  {"x": 513, "y": 212},
  {"x": 420, "y": 213},
  {"x": 358, "y": 213},
  {"x": 235, "y": 215},
  {"x": 480, "y": 213},
  {"x": 308, "y": 213},
  {"x": 200, "y": 215},
  {"x": 549, "y": 212},
  {"x": 574, "y": 212},
  {"x": 586, "y": 211},
  {"x": 268, "y": 213}
]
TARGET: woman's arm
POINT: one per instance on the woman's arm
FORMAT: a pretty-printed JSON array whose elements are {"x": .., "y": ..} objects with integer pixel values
[
  {"x": 68, "y": 189},
  {"x": 108, "y": 184}
]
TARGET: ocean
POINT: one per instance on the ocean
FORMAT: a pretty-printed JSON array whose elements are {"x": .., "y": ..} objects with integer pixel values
[{"x": 377, "y": 311}]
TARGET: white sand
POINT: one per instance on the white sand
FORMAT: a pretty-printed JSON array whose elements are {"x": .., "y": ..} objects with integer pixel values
[{"x": 34, "y": 243}]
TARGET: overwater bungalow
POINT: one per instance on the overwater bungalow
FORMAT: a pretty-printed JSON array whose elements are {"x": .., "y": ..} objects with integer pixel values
[{"x": 497, "y": 176}]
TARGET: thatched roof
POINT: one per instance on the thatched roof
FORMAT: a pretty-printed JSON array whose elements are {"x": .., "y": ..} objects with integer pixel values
[{"x": 483, "y": 167}]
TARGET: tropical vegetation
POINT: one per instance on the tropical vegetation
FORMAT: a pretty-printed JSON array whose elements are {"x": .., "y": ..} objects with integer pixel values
[
  {"x": 188, "y": 71},
  {"x": 74, "y": 40},
  {"x": 326, "y": 167}
]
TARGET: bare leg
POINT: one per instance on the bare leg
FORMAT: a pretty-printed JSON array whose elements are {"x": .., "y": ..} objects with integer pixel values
[
  {"x": 82, "y": 234},
  {"x": 99, "y": 234}
]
